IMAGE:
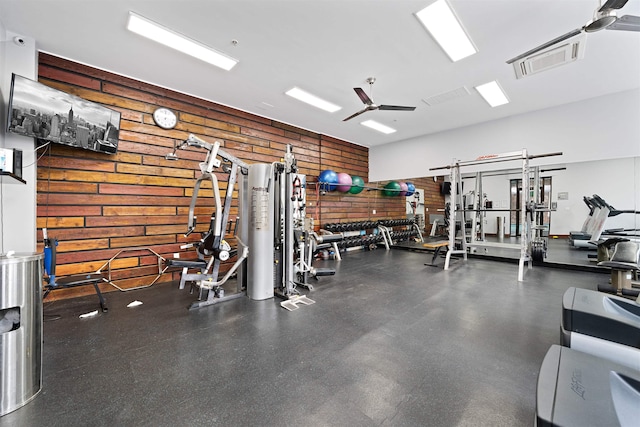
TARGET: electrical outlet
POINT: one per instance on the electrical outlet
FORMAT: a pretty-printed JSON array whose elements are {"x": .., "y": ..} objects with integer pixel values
[
  {"x": 176, "y": 255},
  {"x": 374, "y": 211}
]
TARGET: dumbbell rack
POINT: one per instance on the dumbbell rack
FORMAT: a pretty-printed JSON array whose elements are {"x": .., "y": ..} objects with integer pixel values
[{"x": 369, "y": 234}]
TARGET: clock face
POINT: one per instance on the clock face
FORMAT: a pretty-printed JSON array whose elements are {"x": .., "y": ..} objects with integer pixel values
[{"x": 165, "y": 118}]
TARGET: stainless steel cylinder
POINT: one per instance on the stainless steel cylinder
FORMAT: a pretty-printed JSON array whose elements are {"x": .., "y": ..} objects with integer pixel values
[{"x": 20, "y": 329}]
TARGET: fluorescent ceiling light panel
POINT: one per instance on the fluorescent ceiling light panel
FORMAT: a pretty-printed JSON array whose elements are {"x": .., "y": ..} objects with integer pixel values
[
  {"x": 493, "y": 93},
  {"x": 440, "y": 20},
  {"x": 310, "y": 99},
  {"x": 170, "y": 38},
  {"x": 378, "y": 126}
]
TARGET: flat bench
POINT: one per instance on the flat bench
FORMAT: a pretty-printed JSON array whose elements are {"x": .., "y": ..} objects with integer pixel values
[
  {"x": 78, "y": 280},
  {"x": 435, "y": 247}
]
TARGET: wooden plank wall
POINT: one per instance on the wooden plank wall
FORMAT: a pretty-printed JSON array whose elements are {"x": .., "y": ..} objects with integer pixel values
[{"x": 98, "y": 204}]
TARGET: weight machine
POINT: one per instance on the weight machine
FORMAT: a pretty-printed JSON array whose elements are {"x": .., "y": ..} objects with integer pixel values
[
  {"x": 212, "y": 243},
  {"x": 528, "y": 208},
  {"x": 272, "y": 220},
  {"x": 280, "y": 234}
]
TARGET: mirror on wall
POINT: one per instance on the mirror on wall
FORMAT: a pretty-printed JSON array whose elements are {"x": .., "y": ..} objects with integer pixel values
[{"x": 565, "y": 190}]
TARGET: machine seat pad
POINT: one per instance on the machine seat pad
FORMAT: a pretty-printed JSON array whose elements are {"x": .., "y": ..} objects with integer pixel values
[
  {"x": 433, "y": 245},
  {"x": 330, "y": 238},
  {"x": 78, "y": 279},
  {"x": 608, "y": 289},
  {"x": 325, "y": 272},
  {"x": 612, "y": 241},
  {"x": 625, "y": 257},
  {"x": 617, "y": 265},
  {"x": 185, "y": 263},
  {"x": 630, "y": 292}
]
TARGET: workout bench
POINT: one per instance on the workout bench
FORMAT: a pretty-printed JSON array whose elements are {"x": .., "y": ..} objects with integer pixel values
[
  {"x": 66, "y": 282},
  {"x": 435, "y": 247},
  {"x": 77, "y": 280}
]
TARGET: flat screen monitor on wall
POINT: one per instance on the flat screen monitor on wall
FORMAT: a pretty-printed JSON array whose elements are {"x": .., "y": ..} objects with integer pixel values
[{"x": 50, "y": 115}]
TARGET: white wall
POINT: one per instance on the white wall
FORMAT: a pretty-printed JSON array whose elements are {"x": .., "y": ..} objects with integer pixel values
[
  {"x": 17, "y": 200},
  {"x": 606, "y": 127}
]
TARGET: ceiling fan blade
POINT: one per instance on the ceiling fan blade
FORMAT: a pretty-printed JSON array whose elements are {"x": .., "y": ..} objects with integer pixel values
[
  {"x": 395, "y": 107},
  {"x": 356, "y": 114},
  {"x": 363, "y": 96},
  {"x": 626, "y": 23},
  {"x": 547, "y": 44},
  {"x": 613, "y": 4}
]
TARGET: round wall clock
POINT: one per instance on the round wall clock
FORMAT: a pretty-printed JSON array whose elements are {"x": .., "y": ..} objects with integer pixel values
[{"x": 165, "y": 118}]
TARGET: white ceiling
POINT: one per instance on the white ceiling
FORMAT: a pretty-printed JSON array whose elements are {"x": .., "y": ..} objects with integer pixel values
[{"x": 328, "y": 47}]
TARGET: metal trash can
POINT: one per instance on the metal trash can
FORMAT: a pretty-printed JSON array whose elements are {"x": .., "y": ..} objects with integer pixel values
[
  {"x": 500, "y": 229},
  {"x": 20, "y": 329}
]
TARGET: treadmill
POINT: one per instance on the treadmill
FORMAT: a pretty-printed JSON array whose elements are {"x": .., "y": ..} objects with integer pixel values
[
  {"x": 585, "y": 233},
  {"x": 578, "y": 389},
  {"x": 593, "y": 229},
  {"x": 601, "y": 324}
]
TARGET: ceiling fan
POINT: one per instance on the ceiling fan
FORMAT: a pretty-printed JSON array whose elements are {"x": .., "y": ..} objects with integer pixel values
[
  {"x": 604, "y": 17},
  {"x": 370, "y": 106}
]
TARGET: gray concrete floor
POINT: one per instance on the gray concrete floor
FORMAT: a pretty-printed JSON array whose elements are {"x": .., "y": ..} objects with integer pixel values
[{"x": 389, "y": 342}]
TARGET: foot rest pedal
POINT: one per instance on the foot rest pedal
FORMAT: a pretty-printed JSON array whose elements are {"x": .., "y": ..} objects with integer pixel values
[
  {"x": 292, "y": 304},
  {"x": 325, "y": 272}
]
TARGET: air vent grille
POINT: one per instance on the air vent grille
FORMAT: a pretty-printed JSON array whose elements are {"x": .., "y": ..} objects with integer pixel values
[
  {"x": 446, "y": 96},
  {"x": 551, "y": 58}
]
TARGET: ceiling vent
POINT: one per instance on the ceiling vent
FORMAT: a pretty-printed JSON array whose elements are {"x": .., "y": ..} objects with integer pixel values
[
  {"x": 551, "y": 58},
  {"x": 446, "y": 96}
]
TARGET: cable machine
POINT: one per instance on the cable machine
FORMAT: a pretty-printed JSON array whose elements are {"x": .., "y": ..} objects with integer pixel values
[
  {"x": 280, "y": 235},
  {"x": 213, "y": 243},
  {"x": 457, "y": 210}
]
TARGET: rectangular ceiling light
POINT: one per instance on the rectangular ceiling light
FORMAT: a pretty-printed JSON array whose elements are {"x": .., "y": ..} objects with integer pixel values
[
  {"x": 170, "y": 38},
  {"x": 493, "y": 93},
  {"x": 378, "y": 126},
  {"x": 440, "y": 20},
  {"x": 310, "y": 99}
]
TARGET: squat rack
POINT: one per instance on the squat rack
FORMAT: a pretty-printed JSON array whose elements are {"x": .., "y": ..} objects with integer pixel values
[{"x": 456, "y": 209}]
